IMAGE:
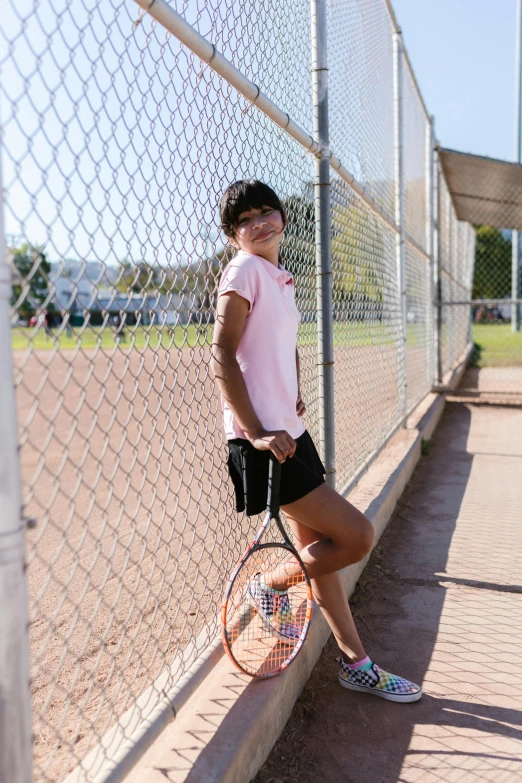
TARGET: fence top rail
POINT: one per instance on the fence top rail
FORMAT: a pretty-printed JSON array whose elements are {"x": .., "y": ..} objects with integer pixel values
[
  {"x": 206, "y": 51},
  {"x": 397, "y": 29}
]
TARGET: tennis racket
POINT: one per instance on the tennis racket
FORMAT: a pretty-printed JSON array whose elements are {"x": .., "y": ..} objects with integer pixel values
[{"x": 263, "y": 628}]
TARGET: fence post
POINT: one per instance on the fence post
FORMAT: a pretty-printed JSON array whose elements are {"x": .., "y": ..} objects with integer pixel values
[
  {"x": 430, "y": 243},
  {"x": 451, "y": 269},
  {"x": 515, "y": 237},
  {"x": 469, "y": 279},
  {"x": 322, "y": 239},
  {"x": 399, "y": 204},
  {"x": 438, "y": 276},
  {"x": 15, "y": 701},
  {"x": 515, "y": 273}
]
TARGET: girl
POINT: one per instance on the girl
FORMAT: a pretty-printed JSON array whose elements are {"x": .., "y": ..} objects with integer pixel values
[{"x": 256, "y": 364}]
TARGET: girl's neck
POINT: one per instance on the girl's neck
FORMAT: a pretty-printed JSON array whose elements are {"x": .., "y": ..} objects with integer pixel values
[{"x": 272, "y": 258}]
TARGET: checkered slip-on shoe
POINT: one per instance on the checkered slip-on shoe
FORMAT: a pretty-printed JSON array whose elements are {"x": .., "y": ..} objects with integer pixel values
[
  {"x": 274, "y": 610},
  {"x": 378, "y": 682}
]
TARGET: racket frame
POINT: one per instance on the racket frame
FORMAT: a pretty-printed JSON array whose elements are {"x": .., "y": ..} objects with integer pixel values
[{"x": 272, "y": 513}]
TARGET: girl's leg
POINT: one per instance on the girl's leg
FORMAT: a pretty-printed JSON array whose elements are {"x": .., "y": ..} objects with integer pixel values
[
  {"x": 330, "y": 534},
  {"x": 331, "y": 598},
  {"x": 345, "y": 536}
]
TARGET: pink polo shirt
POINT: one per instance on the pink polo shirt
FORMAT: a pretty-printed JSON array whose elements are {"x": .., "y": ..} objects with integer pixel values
[{"x": 266, "y": 351}]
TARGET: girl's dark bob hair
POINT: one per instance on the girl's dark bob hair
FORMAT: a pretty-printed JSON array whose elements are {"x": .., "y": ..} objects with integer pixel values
[{"x": 243, "y": 195}]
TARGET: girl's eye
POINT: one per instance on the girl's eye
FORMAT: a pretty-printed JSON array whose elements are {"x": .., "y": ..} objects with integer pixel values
[{"x": 264, "y": 211}]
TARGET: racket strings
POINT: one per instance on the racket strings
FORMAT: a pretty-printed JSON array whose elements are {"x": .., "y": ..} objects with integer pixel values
[
  {"x": 287, "y": 574},
  {"x": 264, "y": 627}
]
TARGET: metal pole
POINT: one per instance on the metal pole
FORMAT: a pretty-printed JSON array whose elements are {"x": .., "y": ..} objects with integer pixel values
[
  {"x": 449, "y": 260},
  {"x": 515, "y": 239},
  {"x": 469, "y": 229},
  {"x": 15, "y": 701},
  {"x": 430, "y": 245},
  {"x": 472, "y": 245},
  {"x": 455, "y": 275},
  {"x": 399, "y": 206},
  {"x": 322, "y": 239},
  {"x": 438, "y": 276},
  {"x": 515, "y": 264}
]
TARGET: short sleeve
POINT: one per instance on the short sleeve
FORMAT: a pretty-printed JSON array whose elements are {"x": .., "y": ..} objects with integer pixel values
[{"x": 242, "y": 279}]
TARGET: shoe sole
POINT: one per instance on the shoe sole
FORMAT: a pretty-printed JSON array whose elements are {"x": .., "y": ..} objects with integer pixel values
[
  {"x": 399, "y": 697},
  {"x": 268, "y": 625}
]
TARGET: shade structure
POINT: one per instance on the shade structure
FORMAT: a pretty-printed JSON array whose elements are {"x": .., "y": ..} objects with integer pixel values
[{"x": 484, "y": 191}]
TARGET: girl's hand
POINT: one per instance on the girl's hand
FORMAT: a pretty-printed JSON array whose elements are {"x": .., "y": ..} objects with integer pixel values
[
  {"x": 300, "y": 406},
  {"x": 279, "y": 442}
]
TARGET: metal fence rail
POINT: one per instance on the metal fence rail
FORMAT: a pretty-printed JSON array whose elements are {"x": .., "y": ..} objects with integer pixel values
[{"x": 117, "y": 138}]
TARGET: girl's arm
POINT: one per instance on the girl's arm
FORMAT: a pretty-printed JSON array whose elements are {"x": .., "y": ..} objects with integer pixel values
[{"x": 231, "y": 315}]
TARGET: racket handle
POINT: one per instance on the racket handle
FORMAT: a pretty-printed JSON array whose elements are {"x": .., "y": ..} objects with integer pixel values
[{"x": 274, "y": 485}]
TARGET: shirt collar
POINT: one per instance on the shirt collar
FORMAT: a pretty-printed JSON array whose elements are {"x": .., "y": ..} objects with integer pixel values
[{"x": 279, "y": 274}]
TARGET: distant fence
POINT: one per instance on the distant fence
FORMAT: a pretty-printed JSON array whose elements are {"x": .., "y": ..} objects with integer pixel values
[{"x": 117, "y": 141}]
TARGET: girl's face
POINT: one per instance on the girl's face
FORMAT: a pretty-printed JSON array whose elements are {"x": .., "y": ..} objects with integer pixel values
[{"x": 259, "y": 232}]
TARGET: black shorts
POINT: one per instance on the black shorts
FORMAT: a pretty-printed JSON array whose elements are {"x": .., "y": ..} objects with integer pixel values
[{"x": 248, "y": 468}]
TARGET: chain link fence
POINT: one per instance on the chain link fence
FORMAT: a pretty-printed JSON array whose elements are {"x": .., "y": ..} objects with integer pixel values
[
  {"x": 496, "y": 373},
  {"x": 116, "y": 144},
  {"x": 456, "y": 263},
  {"x": 486, "y": 191}
]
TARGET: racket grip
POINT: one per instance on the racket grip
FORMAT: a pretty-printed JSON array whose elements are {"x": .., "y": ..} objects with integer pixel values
[{"x": 274, "y": 486}]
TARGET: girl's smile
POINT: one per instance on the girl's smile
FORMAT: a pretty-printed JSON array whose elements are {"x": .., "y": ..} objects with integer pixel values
[
  {"x": 260, "y": 231},
  {"x": 263, "y": 235}
]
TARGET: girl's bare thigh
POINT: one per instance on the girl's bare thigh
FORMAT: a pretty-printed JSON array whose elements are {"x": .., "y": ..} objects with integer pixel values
[
  {"x": 327, "y": 514},
  {"x": 303, "y": 535}
]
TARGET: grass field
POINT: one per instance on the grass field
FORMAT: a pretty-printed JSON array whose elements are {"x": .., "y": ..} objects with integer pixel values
[
  {"x": 496, "y": 345},
  {"x": 97, "y": 337},
  {"x": 88, "y": 338}
]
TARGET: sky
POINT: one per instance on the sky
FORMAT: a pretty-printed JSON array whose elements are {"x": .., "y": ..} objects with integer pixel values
[
  {"x": 117, "y": 142},
  {"x": 463, "y": 55}
]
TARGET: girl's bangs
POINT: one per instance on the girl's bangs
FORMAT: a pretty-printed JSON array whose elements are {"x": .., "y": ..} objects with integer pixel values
[{"x": 254, "y": 197}]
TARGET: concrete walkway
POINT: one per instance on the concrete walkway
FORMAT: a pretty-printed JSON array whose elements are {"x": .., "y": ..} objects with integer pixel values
[{"x": 441, "y": 603}]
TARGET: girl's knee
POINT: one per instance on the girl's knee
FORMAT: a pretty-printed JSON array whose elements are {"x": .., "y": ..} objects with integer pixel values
[
  {"x": 366, "y": 540},
  {"x": 368, "y": 537},
  {"x": 361, "y": 542}
]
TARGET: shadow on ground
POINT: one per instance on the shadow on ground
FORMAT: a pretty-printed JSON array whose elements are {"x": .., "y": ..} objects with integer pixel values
[{"x": 438, "y": 603}]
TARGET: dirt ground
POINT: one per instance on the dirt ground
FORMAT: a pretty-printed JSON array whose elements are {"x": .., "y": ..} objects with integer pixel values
[
  {"x": 440, "y": 602},
  {"x": 123, "y": 468}
]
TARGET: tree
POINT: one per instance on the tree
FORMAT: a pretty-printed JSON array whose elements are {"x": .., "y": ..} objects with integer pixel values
[
  {"x": 143, "y": 277},
  {"x": 138, "y": 277},
  {"x": 492, "y": 276},
  {"x": 358, "y": 283},
  {"x": 358, "y": 259},
  {"x": 298, "y": 250},
  {"x": 30, "y": 288},
  {"x": 198, "y": 281}
]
